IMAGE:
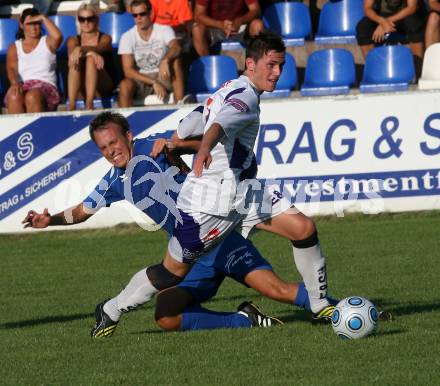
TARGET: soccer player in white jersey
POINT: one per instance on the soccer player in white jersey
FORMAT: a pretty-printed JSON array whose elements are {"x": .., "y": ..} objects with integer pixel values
[{"x": 211, "y": 199}]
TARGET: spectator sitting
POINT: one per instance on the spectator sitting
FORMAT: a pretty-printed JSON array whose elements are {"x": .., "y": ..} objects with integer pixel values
[
  {"x": 385, "y": 16},
  {"x": 90, "y": 59},
  {"x": 175, "y": 13},
  {"x": 31, "y": 64},
  {"x": 149, "y": 52},
  {"x": 220, "y": 19},
  {"x": 432, "y": 34}
]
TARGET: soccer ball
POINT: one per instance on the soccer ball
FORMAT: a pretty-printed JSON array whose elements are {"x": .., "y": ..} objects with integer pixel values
[{"x": 354, "y": 317}]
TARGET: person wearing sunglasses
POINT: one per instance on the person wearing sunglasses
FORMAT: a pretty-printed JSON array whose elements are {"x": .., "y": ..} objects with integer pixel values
[
  {"x": 150, "y": 55},
  {"x": 90, "y": 60},
  {"x": 31, "y": 66}
]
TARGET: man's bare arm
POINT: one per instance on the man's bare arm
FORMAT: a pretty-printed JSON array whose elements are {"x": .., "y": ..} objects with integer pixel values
[
  {"x": 73, "y": 215},
  {"x": 210, "y": 139}
]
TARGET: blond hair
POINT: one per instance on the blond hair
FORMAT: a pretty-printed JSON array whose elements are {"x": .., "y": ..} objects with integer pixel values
[{"x": 86, "y": 6}]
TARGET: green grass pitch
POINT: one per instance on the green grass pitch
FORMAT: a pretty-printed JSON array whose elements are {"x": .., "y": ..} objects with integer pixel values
[{"x": 50, "y": 283}]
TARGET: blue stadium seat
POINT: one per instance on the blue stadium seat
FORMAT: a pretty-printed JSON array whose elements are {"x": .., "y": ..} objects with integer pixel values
[
  {"x": 287, "y": 81},
  {"x": 338, "y": 20},
  {"x": 231, "y": 45},
  {"x": 115, "y": 24},
  {"x": 8, "y": 29},
  {"x": 67, "y": 26},
  {"x": 208, "y": 73},
  {"x": 98, "y": 103},
  {"x": 329, "y": 72},
  {"x": 388, "y": 68},
  {"x": 290, "y": 20},
  {"x": 2, "y": 88}
]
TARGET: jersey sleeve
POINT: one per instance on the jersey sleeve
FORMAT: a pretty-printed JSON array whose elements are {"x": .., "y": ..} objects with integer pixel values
[
  {"x": 126, "y": 44},
  {"x": 104, "y": 193},
  {"x": 167, "y": 33},
  {"x": 238, "y": 111},
  {"x": 192, "y": 125}
]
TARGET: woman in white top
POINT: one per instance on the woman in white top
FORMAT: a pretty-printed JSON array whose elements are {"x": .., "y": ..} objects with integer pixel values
[
  {"x": 90, "y": 59},
  {"x": 31, "y": 64}
]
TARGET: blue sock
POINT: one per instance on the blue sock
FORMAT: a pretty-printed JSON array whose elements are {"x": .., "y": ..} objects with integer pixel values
[
  {"x": 302, "y": 299},
  {"x": 198, "y": 318}
]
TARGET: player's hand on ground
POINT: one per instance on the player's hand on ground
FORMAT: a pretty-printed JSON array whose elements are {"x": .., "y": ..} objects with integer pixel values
[
  {"x": 37, "y": 220},
  {"x": 203, "y": 160}
]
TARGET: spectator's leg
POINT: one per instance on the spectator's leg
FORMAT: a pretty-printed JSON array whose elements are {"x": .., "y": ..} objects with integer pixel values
[
  {"x": 417, "y": 49},
  {"x": 413, "y": 27},
  {"x": 34, "y": 101},
  {"x": 73, "y": 85},
  {"x": 432, "y": 34},
  {"x": 91, "y": 80},
  {"x": 15, "y": 103},
  {"x": 200, "y": 40},
  {"x": 364, "y": 32},
  {"x": 127, "y": 89},
  {"x": 104, "y": 86},
  {"x": 178, "y": 81},
  {"x": 255, "y": 27}
]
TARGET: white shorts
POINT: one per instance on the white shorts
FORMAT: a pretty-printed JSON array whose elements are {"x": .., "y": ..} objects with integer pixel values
[{"x": 200, "y": 232}]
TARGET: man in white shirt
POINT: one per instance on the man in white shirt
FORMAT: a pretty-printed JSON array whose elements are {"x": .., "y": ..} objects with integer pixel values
[{"x": 150, "y": 55}]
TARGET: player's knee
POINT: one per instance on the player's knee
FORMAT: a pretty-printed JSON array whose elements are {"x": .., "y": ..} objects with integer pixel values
[
  {"x": 161, "y": 278},
  {"x": 169, "y": 306},
  {"x": 305, "y": 229},
  {"x": 169, "y": 323},
  {"x": 309, "y": 237}
]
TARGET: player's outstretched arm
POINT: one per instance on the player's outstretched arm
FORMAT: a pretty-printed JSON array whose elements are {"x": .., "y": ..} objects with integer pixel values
[
  {"x": 210, "y": 139},
  {"x": 69, "y": 216}
]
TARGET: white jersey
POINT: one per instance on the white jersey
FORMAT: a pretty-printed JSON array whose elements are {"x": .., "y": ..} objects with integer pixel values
[{"x": 236, "y": 108}]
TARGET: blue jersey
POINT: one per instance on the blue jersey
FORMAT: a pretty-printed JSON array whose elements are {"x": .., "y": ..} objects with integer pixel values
[{"x": 152, "y": 185}]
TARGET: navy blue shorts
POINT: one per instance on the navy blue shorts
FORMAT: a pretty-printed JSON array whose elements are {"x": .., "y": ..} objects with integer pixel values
[{"x": 235, "y": 257}]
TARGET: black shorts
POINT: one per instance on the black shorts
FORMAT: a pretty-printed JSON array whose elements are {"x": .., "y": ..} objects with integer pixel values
[{"x": 412, "y": 27}]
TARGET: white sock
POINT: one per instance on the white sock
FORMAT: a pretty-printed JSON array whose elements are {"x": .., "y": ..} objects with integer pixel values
[
  {"x": 137, "y": 292},
  {"x": 311, "y": 265}
]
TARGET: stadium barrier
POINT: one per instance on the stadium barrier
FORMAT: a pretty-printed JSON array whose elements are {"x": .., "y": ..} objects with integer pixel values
[{"x": 364, "y": 153}]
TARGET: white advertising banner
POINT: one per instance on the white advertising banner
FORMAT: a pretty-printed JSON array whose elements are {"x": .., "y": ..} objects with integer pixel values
[{"x": 369, "y": 153}]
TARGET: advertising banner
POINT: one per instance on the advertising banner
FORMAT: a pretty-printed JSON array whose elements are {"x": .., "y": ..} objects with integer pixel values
[{"x": 369, "y": 153}]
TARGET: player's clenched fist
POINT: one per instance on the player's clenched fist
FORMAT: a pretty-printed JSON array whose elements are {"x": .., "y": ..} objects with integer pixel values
[{"x": 37, "y": 220}]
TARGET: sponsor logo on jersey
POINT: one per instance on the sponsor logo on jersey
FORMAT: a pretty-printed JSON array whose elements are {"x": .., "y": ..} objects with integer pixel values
[{"x": 212, "y": 235}]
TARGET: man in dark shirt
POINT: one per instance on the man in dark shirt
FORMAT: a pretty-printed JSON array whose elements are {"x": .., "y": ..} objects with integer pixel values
[
  {"x": 217, "y": 20},
  {"x": 383, "y": 17}
]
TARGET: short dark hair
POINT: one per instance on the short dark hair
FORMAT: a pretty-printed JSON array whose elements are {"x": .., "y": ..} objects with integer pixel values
[
  {"x": 26, "y": 12},
  {"x": 106, "y": 117},
  {"x": 261, "y": 44},
  {"x": 135, "y": 3}
]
